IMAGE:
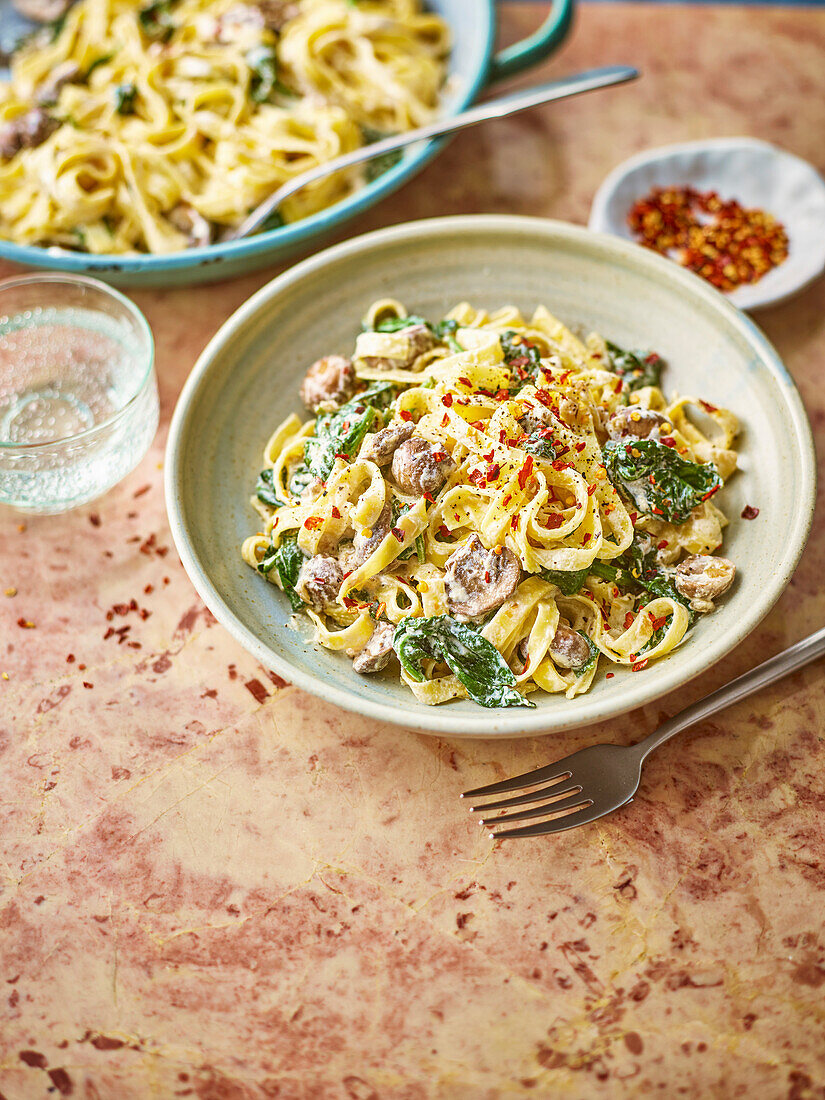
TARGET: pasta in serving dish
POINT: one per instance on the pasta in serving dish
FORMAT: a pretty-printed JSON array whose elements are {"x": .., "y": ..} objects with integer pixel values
[
  {"x": 495, "y": 503},
  {"x": 147, "y": 125}
]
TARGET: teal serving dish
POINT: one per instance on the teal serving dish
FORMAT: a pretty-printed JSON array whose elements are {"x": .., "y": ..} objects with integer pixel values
[{"x": 473, "y": 65}]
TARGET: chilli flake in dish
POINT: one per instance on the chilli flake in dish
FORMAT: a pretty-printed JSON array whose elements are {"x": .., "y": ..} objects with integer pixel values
[
  {"x": 494, "y": 504},
  {"x": 148, "y": 125}
]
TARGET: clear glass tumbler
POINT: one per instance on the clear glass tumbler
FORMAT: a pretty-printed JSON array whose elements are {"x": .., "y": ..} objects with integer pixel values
[{"x": 78, "y": 393}]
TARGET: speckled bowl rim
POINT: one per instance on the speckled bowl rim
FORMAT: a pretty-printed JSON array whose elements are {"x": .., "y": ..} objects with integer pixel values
[{"x": 498, "y": 723}]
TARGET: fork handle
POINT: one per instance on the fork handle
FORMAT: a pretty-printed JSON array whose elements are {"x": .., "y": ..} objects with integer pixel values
[{"x": 784, "y": 663}]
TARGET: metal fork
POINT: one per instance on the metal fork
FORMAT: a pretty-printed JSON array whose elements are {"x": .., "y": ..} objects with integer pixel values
[
  {"x": 492, "y": 108},
  {"x": 599, "y": 779}
]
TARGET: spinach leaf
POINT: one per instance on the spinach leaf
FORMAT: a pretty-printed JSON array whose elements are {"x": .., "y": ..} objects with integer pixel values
[
  {"x": 445, "y": 331},
  {"x": 657, "y": 479},
  {"x": 380, "y": 164},
  {"x": 635, "y": 368},
  {"x": 587, "y": 665},
  {"x": 341, "y": 432},
  {"x": 470, "y": 657},
  {"x": 263, "y": 80},
  {"x": 635, "y": 571},
  {"x": 397, "y": 324},
  {"x": 125, "y": 96},
  {"x": 274, "y": 221},
  {"x": 568, "y": 582},
  {"x": 522, "y": 358},
  {"x": 265, "y": 489},
  {"x": 104, "y": 59},
  {"x": 540, "y": 443},
  {"x": 287, "y": 559},
  {"x": 155, "y": 20},
  {"x": 299, "y": 479}
]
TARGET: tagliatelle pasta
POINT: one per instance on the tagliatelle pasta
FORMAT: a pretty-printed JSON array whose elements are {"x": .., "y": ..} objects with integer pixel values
[
  {"x": 147, "y": 125},
  {"x": 498, "y": 504}
]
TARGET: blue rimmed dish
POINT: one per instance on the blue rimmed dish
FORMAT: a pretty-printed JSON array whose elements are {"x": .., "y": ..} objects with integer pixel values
[{"x": 473, "y": 65}]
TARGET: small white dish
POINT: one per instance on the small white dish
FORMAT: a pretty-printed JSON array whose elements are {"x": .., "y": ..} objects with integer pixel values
[{"x": 755, "y": 173}]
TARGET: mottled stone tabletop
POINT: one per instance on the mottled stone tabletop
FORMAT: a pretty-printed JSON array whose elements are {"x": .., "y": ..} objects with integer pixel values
[{"x": 216, "y": 886}]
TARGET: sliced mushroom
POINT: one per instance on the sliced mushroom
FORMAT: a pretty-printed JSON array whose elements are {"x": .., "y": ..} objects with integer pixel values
[
  {"x": 419, "y": 339},
  {"x": 319, "y": 582},
  {"x": 197, "y": 229},
  {"x": 383, "y": 445},
  {"x": 478, "y": 580},
  {"x": 702, "y": 578},
  {"x": 42, "y": 11},
  {"x": 329, "y": 383},
  {"x": 26, "y": 131},
  {"x": 377, "y": 652},
  {"x": 364, "y": 545},
  {"x": 68, "y": 72},
  {"x": 568, "y": 648},
  {"x": 635, "y": 422},
  {"x": 277, "y": 13},
  {"x": 241, "y": 22},
  {"x": 419, "y": 467}
]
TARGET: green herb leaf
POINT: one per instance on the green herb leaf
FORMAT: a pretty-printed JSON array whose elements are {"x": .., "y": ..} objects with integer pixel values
[
  {"x": 524, "y": 359},
  {"x": 587, "y": 665},
  {"x": 104, "y": 59},
  {"x": 125, "y": 96},
  {"x": 342, "y": 432},
  {"x": 539, "y": 444},
  {"x": 263, "y": 81},
  {"x": 657, "y": 479},
  {"x": 265, "y": 489},
  {"x": 155, "y": 20},
  {"x": 445, "y": 331},
  {"x": 568, "y": 582},
  {"x": 635, "y": 571},
  {"x": 287, "y": 559},
  {"x": 397, "y": 324},
  {"x": 470, "y": 657},
  {"x": 636, "y": 368}
]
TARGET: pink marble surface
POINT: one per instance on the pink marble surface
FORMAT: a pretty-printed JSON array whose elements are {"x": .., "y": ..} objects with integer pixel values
[{"x": 215, "y": 886}]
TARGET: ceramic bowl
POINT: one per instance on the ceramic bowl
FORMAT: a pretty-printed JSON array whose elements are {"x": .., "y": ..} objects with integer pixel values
[
  {"x": 473, "y": 65},
  {"x": 247, "y": 380},
  {"x": 754, "y": 172}
]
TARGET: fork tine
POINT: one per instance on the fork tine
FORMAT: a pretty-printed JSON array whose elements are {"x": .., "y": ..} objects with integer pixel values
[
  {"x": 548, "y": 773},
  {"x": 575, "y": 800},
  {"x": 558, "y": 824},
  {"x": 531, "y": 796}
]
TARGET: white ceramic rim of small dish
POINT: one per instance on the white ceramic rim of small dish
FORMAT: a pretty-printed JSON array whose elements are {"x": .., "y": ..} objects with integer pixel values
[{"x": 680, "y": 163}]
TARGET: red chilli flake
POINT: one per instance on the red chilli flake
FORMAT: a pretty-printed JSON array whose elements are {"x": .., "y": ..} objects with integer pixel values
[
  {"x": 640, "y": 665},
  {"x": 553, "y": 521},
  {"x": 661, "y": 545},
  {"x": 668, "y": 440},
  {"x": 466, "y": 381},
  {"x": 405, "y": 415},
  {"x": 397, "y": 534},
  {"x": 609, "y": 675},
  {"x": 444, "y": 531},
  {"x": 706, "y": 405},
  {"x": 657, "y": 624},
  {"x": 580, "y": 447},
  {"x": 591, "y": 489},
  {"x": 493, "y": 472},
  {"x": 628, "y": 620},
  {"x": 445, "y": 420},
  {"x": 749, "y": 512},
  {"x": 335, "y": 513},
  {"x": 708, "y": 494},
  {"x": 514, "y": 522},
  {"x": 312, "y": 523},
  {"x": 447, "y": 400},
  {"x": 429, "y": 498},
  {"x": 525, "y": 472}
]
